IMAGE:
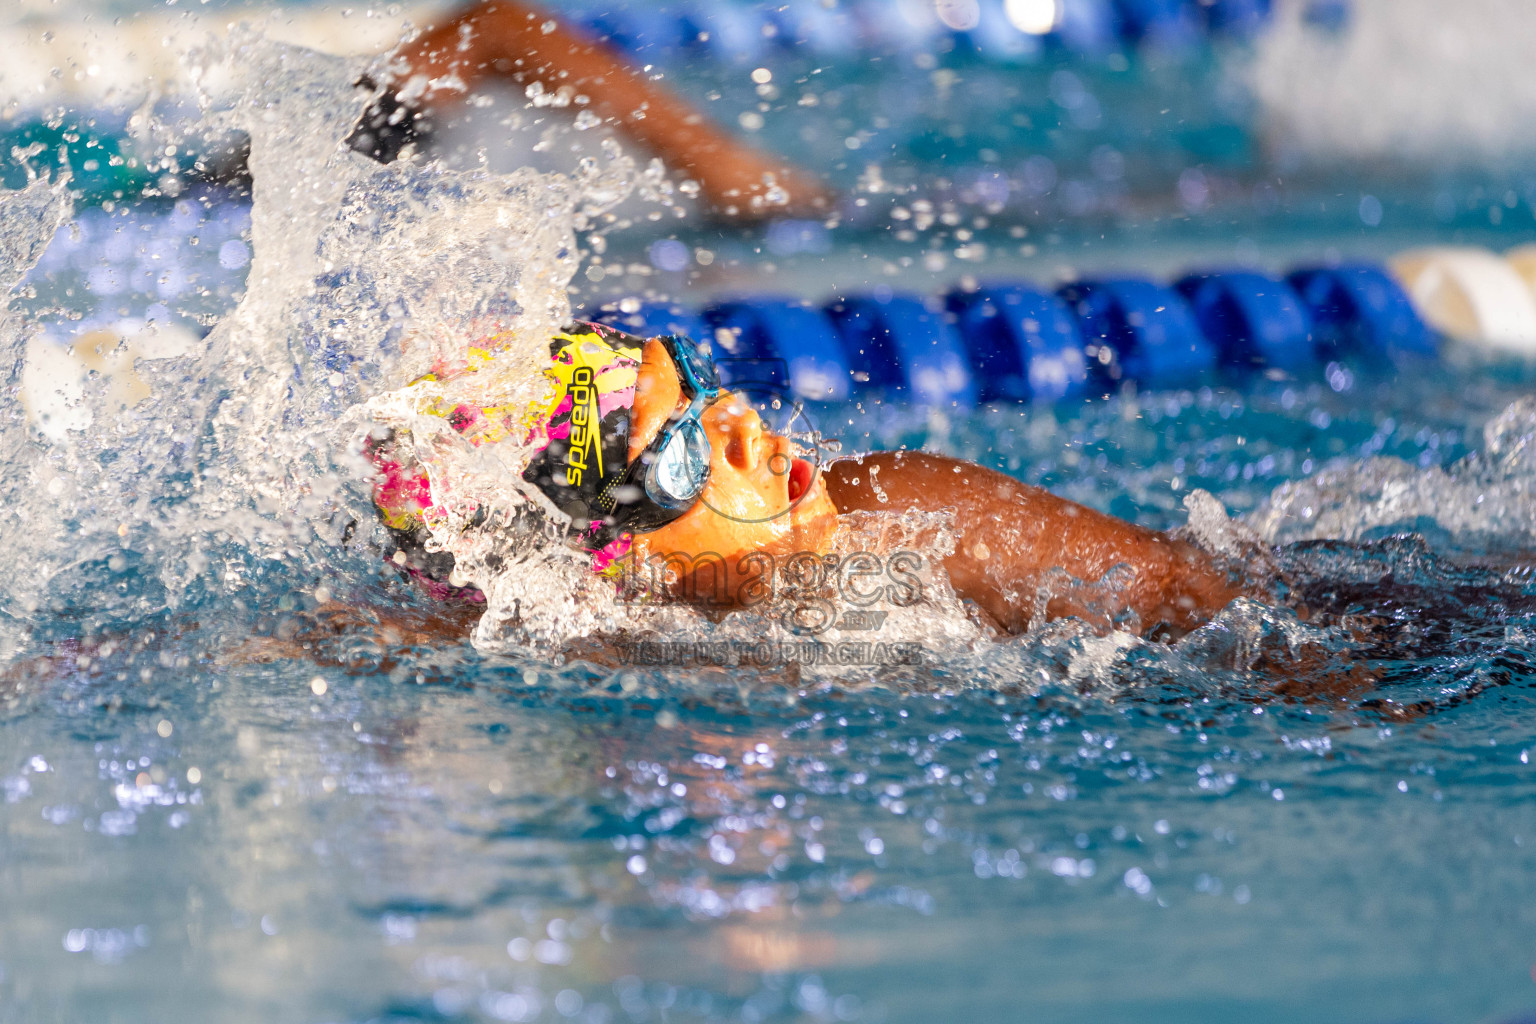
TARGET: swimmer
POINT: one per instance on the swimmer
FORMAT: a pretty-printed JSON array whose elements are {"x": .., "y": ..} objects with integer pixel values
[
  {"x": 651, "y": 460},
  {"x": 508, "y": 40}
]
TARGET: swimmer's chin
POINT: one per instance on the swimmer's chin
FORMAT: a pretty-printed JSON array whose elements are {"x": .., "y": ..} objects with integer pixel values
[{"x": 718, "y": 562}]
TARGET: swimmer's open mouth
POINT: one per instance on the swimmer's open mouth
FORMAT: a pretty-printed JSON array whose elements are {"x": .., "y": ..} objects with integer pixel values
[{"x": 801, "y": 473}]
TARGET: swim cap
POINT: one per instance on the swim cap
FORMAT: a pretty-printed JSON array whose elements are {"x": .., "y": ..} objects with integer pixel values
[
  {"x": 583, "y": 425},
  {"x": 594, "y": 370}
]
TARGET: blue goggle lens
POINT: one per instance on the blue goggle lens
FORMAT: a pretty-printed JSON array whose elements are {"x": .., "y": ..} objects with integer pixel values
[{"x": 676, "y": 477}]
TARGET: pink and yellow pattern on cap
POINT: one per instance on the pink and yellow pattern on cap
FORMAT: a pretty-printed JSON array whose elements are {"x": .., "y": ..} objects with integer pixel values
[{"x": 579, "y": 433}]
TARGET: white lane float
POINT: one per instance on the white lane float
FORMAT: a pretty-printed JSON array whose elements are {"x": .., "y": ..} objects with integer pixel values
[{"x": 1470, "y": 294}]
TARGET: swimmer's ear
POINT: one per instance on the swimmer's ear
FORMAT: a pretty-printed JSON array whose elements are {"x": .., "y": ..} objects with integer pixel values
[{"x": 388, "y": 126}]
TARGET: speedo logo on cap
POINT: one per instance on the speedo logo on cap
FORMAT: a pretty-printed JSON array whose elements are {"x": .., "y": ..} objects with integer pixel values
[{"x": 586, "y": 443}]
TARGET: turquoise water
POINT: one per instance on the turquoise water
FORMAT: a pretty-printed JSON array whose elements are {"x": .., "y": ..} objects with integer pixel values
[
  {"x": 1126, "y": 856},
  {"x": 1055, "y": 827},
  {"x": 251, "y": 775}
]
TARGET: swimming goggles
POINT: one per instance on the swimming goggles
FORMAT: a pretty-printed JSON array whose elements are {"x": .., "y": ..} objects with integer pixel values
[{"x": 666, "y": 478}]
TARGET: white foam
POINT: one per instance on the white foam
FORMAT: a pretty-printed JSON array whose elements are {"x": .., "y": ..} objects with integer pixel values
[{"x": 1486, "y": 499}]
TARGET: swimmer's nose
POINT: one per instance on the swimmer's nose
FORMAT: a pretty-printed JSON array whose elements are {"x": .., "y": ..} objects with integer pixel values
[{"x": 744, "y": 435}]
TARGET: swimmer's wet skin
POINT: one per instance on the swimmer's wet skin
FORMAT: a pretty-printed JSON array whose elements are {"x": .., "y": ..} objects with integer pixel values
[
  {"x": 1013, "y": 538},
  {"x": 648, "y": 452}
]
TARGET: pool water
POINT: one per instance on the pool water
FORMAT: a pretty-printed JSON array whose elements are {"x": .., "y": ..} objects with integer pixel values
[
  {"x": 207, "y": 826},
  {"x": 479, "y": 847},
  {"x": 250, "y": 774}
]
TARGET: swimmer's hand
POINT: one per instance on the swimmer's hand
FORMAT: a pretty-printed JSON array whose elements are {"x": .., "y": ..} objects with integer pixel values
[
  {"x": 742, "y": 183},
  {"x": 387, "y": 126}
]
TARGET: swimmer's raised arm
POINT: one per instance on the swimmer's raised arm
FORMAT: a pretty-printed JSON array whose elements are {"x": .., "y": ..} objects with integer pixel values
[
  {"x": 1016, "y": 542},
  {"x": 512, "y": 40}
]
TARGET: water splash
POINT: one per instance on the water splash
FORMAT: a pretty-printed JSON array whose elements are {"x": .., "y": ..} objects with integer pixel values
[
  {"x": 232, "y": 474},
  {"x": 29, "y": 218},
  {"x": 236, "y": 464},
  {"x": 1486, "y": 500}
]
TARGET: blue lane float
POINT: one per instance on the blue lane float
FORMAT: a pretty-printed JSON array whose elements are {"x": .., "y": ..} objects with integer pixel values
[
  {"x": 1253, "y": 320},
  {"x": 896, "y": 344},
  {"x": 648, "y": 319},
  {"x": 1011, "y": 341},
  {"x": 1138, "y": 329},
  {"x": 1023, "y": 343},
  {"x": 994, "y": 30},
  {"x": 1242, "y": 19},
  {"x": 1357, "y": 310},
  {"x": 722, "y": 32},
  {"x": 1164, "y": 22},
  {"x": 781, "y": 343}
]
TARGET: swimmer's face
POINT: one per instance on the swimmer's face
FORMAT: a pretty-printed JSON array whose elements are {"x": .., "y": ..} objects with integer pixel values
[{"x": 759, "y": 496}]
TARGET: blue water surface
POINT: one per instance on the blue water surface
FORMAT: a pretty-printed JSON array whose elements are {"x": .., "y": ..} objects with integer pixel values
[
  {"x": 306, "y": 797},
  {"x": 251, "y": 808}
]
